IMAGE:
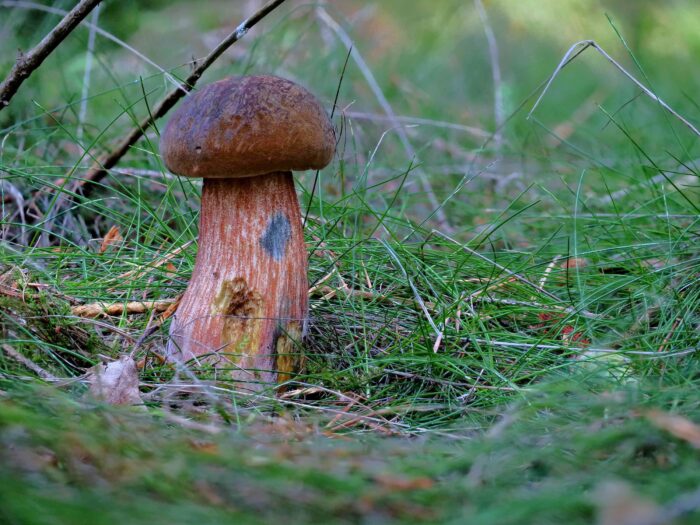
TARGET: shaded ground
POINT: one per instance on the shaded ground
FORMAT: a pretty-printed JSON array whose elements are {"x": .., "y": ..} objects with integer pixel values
[{"x": 599, "y": 454}]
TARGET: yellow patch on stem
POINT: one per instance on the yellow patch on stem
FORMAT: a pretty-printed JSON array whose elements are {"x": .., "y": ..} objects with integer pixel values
[
  {"x": 242, "y": 308},
  {"x": 288, "y": 359}
]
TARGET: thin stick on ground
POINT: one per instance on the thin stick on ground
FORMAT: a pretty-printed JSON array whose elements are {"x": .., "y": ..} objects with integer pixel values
[
  {"x": 28, "y": 363},
  {"x": 27, "y": 63},
  {"x": 131, "y": 307},
  {"x": 100, "y": 169},
  {"x": 581, "y": 46}
]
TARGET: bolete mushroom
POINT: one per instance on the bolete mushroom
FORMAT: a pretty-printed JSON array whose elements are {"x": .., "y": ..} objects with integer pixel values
[{"x": 247, "y": 301}]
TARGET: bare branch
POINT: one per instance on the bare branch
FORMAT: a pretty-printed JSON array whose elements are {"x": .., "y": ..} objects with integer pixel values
[
  {"x": 100, "y": 169},
  {"x": 27, "y": 63},
  {"x": 28, "y": 363},
  {"x": 20, "y": 4}
]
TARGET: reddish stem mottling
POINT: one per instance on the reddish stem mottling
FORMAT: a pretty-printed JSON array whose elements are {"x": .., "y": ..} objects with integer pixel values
[{"x": 247, "y": 300}]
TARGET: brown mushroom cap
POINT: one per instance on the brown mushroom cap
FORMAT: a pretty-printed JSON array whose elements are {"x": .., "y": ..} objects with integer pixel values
[{"x": 246, "y": 126}]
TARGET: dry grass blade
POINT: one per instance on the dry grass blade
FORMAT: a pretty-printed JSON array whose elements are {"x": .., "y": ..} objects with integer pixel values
[
  {"x": 581, "y": 46},
  {"x": 388, "y": 110},
  {"x": 419, "y": 121},
  {"x": 498, "y": 106}
]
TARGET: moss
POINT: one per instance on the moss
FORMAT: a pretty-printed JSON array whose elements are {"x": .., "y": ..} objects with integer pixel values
[{"x": 41, "y": 327}]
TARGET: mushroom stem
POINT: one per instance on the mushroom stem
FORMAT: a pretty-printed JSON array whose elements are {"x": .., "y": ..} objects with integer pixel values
[{"x": 246, "y": 304}]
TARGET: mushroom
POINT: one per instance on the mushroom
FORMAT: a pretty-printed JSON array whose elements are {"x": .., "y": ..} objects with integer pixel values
[{"x": 247, "y": 301}]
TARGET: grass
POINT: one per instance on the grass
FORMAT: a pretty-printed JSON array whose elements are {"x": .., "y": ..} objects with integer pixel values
[
  {"x": 511, "y": 356},
  {"x": 546, "y": 461}
]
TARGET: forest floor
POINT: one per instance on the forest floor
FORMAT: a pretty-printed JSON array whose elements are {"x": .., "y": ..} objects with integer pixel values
[{"x": 504, "y": 311}]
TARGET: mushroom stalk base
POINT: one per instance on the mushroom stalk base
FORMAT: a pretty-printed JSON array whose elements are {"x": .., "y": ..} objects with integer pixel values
[{"x": 246, "y": 305}]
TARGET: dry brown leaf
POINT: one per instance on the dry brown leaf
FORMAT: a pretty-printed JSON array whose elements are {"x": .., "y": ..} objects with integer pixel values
[
  {"x": 400, "y": 484},
  {"x": 112, "y": 238},
  {"x": 575, "y": 262},
  {"x": 618, "y": 504},
  {"x": 208, "y": 447},
  {"x": 116, "y": 383},
  {"x": 170, "y": 270},
  {"x": 170, "y": 310},
  {"x": 676, "y": 425}
]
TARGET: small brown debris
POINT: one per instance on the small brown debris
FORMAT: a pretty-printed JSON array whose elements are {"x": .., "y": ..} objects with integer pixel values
[
  {"x": 112, "y": 238},
  {"x": 575, "y": 262},
  {"x": 403, "y": 484},
  {"x": 116, "y": 383},
  {"x": 170, "y": 270},
  {"x": 618, "y": 504},
  {"x": 170, "y": 310},
  {"x": 676, "y": 425},
  {"x": 131, "y": 307}
]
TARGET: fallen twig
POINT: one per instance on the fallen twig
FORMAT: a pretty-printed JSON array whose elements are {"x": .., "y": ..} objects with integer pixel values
[
  {"x": 132, "y": 307},
  {"x": 28, "y": 363},
  {"x": 190, "y": 423},
  {"x": 10, "y": 288},
  {"x": 27, "y": 63},
  {"x": 20, "y": 4}
]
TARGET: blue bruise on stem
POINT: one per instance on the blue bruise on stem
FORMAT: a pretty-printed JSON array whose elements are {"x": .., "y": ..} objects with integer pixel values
[{"x": 276, "y": 237}]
